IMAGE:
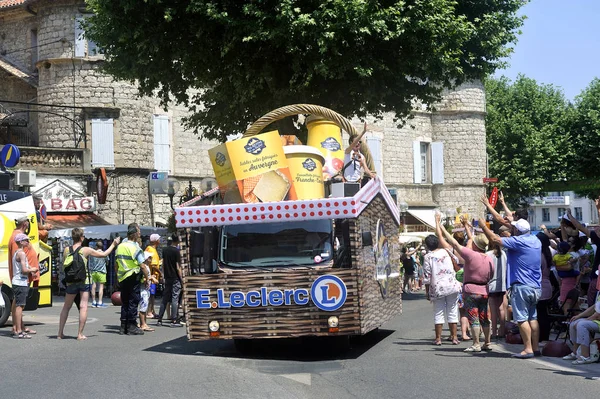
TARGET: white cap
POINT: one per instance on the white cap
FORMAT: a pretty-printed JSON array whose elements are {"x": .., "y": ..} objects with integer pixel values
[
  {"x": 581, "y": 234},
  {"x": 522, "y": 225},
  {"x": 154, "y": 237}
]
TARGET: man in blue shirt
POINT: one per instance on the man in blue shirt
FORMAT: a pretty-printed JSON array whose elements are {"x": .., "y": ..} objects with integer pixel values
[{"x": 524, "y": 253}]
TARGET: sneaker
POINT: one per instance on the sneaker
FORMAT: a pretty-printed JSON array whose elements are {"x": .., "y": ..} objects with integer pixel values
[
  {"x": 101, "y": 305},
  {"x": 584, "y": 360},
  {"x": 94, "y": 304},
  {"x": 176, "y": 324},
  {"x": 570, "y": 356},
  {"x": 159, "y": 323}
]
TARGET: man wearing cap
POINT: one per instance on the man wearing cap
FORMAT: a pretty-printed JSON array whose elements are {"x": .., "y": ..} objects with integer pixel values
[
  {"x": 478, "y": 271},
  {"x": 20, "y": 284},
  {"x": 154, "y": 270},
  {"x": 524, "y": 252},
  {"x": 129, "y": 258},
  {"x": 22, "y": 226}
]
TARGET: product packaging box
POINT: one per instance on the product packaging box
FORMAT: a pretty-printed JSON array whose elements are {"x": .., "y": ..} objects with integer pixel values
[{"x": 252, "y": 169}]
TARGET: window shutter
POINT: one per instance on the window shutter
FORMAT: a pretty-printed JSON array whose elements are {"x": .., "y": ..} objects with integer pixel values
[
  {"x": 374, "y": 144},
  {"x": 103, "y": 148},
  {"x": 417, "y": 161},
  {"x": 161, "y": 143},
  {"x": 437, "y": 162},
  {"x": 79, "y": 38}
]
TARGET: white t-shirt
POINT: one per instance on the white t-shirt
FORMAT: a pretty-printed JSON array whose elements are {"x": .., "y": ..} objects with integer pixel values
[
  {"x": 354, "y": 170},
  {"x": 19, "y": 278}
]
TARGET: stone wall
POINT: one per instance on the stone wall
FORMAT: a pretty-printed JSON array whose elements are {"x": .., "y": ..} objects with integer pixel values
[{"x": 15, "y": 36}]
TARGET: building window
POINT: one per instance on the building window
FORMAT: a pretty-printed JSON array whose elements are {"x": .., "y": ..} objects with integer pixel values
[
  {"x": 374, "y": 144},
  {"x": 103, "y": 146},
  {"x": 83, "y": 47},
  {"x": 578, "y": 213},
  {"x": 34, "y": 48},
  {"x": 162, "y": 147},
  {"x": 428, "y": 162},
  {"x": 545, "y": 214},
  {"x": 561, "y": 212}
]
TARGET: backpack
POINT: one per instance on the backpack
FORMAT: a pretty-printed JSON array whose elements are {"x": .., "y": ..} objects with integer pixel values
[{"x": 74, "y": 266}]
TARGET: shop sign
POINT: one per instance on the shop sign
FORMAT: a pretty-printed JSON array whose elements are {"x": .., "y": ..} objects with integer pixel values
[{"x": 60, "y": 197}]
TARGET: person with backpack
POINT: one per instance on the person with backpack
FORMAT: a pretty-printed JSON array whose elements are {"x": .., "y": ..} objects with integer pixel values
[{"x": 78, "y": 279}]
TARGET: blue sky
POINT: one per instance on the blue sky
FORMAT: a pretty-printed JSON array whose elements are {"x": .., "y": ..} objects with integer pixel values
[{"x": 560, "y": 44}]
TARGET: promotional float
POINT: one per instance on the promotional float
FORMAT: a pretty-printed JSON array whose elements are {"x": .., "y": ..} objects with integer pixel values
[{"x": 301, "y": 265}]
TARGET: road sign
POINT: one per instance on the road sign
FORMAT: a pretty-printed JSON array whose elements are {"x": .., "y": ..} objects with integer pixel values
[
  {"x": 490, "y": 180},
  {"x": 158, "y": 175},
  {"x": 155, "y": 181},
  {"x": 494, "y": 197},
  {"x": 10, "y": 155}
]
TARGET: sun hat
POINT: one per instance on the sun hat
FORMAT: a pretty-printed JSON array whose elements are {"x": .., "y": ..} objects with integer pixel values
[
  {"x": 21, "y": 237},
  {"x": 521, "y": 225},
  {"x": 481, "y": 242},
  {"x": 22, "y": 219}
]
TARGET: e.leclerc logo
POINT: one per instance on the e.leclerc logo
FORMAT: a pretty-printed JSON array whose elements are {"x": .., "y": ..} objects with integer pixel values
[{"x": 327, "y": 293}]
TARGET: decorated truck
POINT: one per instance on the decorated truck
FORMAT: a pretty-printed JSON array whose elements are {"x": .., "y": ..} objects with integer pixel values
[
  {"x": 326, "y": 266},
  {"x": 14, "y": 205}
]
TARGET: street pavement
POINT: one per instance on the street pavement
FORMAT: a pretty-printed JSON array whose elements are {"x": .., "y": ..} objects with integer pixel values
[{"x": 397, "y": 361}]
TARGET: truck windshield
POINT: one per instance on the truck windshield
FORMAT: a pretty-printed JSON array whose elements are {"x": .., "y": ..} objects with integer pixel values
[{"x": 268, "y": 245}]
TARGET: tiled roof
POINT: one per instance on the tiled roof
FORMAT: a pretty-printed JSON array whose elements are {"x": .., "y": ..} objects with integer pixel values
[
  {"x": 18, "y": 71},
  {"x": 11, "y": 3}
]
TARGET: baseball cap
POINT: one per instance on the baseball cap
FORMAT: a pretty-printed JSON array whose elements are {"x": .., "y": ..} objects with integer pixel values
[
  {"x": 21, "y": 219},
  {"x": 21, "y": 237},
  {"x": 481, "y": 241},
  {"x": 522, "y": 225},
  {"x": 154, "y": 237}
]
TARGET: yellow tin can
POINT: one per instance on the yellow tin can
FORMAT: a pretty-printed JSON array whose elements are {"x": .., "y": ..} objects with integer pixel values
[
  {"x": 306, "y": 167},
  {"x": 326, "y": 136}
]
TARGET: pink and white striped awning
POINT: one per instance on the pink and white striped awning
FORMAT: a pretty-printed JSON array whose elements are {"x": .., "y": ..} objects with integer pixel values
[{"x": 268, "y": 212}]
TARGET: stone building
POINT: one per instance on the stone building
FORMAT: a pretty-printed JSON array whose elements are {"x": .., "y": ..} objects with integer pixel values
[{"x": 71, "y": 122}]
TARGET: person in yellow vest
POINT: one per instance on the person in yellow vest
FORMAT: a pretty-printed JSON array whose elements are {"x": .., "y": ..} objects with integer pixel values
[
  {"x": 129, "y": 257},
  {"x": 154, "y": 270}
]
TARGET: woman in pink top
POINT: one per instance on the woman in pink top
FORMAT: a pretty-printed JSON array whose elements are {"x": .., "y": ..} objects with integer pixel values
[{"x": 479, "y": 270}]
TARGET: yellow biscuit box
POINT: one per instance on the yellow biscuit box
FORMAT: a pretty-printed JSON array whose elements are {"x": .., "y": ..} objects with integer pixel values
[{"x": 252, "y": 169}]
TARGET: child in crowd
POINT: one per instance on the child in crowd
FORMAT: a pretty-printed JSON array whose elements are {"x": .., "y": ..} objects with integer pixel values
[{"x": 145, "y": 293}]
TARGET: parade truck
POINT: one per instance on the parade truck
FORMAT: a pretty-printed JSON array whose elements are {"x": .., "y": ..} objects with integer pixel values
[
  {"x": 325, "y": 266},
  {"x": 14, "y": 205}
]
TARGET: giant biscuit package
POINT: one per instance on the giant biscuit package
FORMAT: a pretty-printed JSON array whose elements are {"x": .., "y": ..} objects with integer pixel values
[{"x": 253, "y": 169}]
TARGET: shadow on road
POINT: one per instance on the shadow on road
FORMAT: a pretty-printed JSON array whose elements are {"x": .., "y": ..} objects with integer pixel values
[{"x": 306, "y": 349}]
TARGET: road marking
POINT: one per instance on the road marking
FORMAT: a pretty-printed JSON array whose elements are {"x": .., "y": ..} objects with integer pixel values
[{"x": 303, "y": 378}]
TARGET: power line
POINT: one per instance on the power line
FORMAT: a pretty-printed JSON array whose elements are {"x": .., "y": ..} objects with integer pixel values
[{"x": 39, "y": 45}]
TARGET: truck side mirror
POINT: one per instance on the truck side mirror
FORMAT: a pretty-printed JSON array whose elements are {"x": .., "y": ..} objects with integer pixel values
[{"x": 367, "y": 239}]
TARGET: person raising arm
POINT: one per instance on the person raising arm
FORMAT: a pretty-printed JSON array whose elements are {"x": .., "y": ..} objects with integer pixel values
[{"x": 497, "y": 217}]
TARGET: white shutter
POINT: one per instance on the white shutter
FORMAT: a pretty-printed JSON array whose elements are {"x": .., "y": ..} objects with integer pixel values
[
  {"x": 103, "y": 148},
  {"x": 437, "y": 162},
  {"x": 162, "y": 151},
  {"x": 374, "y": 144},
  {"x": 79, "y": 38},
  {"x": 417, "y": 161}
]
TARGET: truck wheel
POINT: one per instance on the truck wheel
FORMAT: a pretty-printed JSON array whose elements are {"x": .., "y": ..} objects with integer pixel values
[{"x": 5, "y": 310}]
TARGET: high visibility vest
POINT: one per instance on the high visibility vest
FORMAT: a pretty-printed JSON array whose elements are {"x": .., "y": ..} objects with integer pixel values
[{"x": 126, "y": 258}]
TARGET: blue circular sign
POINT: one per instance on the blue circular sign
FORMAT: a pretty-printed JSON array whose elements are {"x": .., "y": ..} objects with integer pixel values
[
  {"x": 328, "y": 293},
  {"x": 10, "y": 155}
]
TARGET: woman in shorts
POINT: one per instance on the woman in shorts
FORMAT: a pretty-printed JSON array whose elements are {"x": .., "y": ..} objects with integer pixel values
[{"x": 83, "y": 287}]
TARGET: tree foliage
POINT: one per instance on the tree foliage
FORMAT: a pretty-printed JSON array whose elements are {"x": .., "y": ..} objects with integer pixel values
[
  {"x": 528, "y": 135},
  {"x": 245, "y": 58},
  {"x": 585, "y": 130}
]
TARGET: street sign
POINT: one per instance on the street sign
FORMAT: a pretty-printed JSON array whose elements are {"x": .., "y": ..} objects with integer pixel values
[
  {"x": 158, "y": 175},
  {"x": 490, "y": 180},
  {"x": 9, "y": 155},
  {"x": 494, "y": 197},
  {"x": 155, "y": 182}
]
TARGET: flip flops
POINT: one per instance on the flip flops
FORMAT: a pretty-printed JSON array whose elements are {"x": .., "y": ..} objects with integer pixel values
[
  {"x": 31, "y": 332},
  {"x": 473, "y": 348},
  {"x": 22, "y": 336},
  {"x": 437, "y": 343},
  {"x": 522, "y": 356},
  {"x": 487, "y": 347},
  {"x": 148, "y": 328}
]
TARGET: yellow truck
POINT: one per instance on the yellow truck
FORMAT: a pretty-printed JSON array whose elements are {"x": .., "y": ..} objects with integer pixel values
[{"x": 13, "y": 205}]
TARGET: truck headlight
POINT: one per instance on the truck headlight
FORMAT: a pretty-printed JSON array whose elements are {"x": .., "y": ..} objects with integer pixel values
[
  {"x": 214, "y": 326},
  {"x": 333, "y": 321}
]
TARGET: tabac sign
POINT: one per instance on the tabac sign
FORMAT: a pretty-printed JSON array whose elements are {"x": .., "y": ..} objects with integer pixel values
[{"x": 60, "y": 197}]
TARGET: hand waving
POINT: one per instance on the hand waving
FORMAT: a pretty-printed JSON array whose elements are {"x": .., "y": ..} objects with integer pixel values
[{"x": 501, "y": 197}]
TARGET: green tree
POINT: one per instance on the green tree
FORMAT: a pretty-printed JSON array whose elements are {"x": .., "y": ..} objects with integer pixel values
[
  {"x": 245, "y": 58},
  {"x": 528, "y": 138},
  {"x": 585, "y": 130}
]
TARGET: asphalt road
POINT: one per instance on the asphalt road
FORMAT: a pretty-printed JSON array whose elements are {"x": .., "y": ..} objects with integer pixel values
[{"x": 398, "y": 361}]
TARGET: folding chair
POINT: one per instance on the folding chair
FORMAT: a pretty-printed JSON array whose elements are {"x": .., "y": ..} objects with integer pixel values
[{"x": 559, "y": 320}]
